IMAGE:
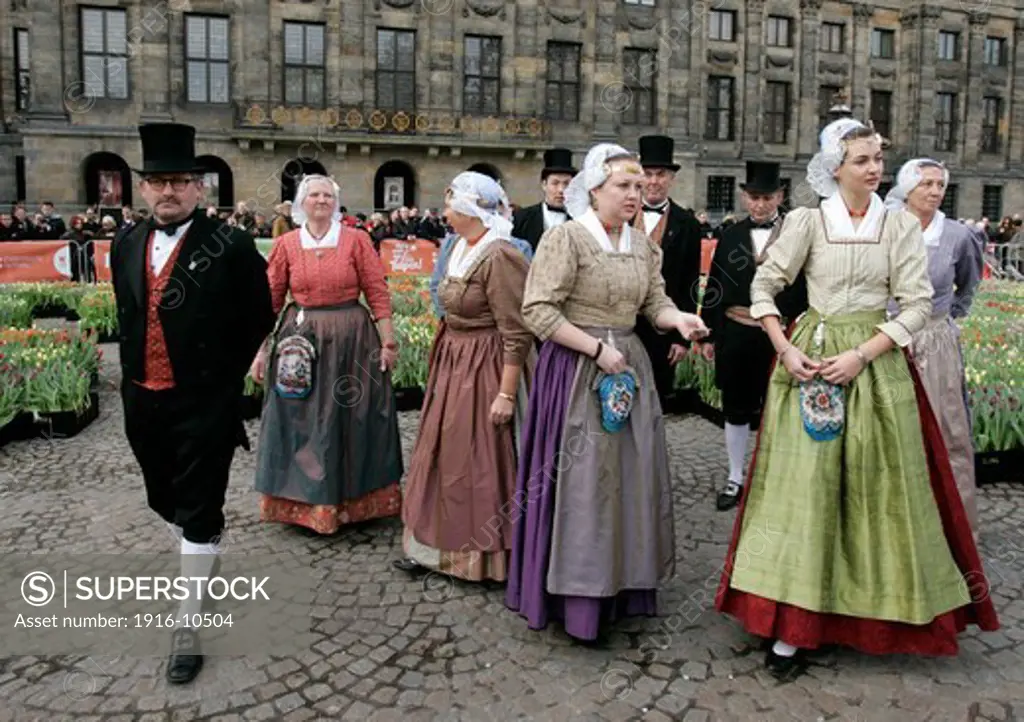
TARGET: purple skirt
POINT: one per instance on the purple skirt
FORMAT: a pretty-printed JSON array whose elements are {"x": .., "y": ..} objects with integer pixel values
[{"x": 535, "y": 494}]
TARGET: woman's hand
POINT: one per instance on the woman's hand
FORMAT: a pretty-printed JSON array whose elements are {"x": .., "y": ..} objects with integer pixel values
[
  {"x": 841, "y": 369},
  {"x": 388, "y": 356},
  {"x": 258, "y": 370},
  {"x": 798, "y": 364},
  {"x": 692, "y": 327},
  {"x": 501, "y": 410},
  {"x": 611, "y": 360}
]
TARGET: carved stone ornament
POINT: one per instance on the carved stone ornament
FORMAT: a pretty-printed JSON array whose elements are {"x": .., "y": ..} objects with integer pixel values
[
  {"x": 909, "y": 18},
  {"x": 722, "y": 57},
  {"x": 978, "y": 18},
  {"x": 882, "y": 73},
  {"x": 810, "y": 4},
  {"x": 19, "y": 4},
  {"x": 948, "y": 73},
  {"x": 566, "y": 16},
  {"x": 484, "y": 8},
  {"x": 774, "y": 61},
  {"x": 400, "y": 4},
  {"x": 641, "y": 18},
  {"x": 931, "y": 12},
  {"x": 825, "y": 66},
  {"x": 863, "y": 11}
]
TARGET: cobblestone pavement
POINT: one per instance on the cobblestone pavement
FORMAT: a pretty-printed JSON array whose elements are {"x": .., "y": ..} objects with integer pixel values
[{"x": 394, "y": 650}]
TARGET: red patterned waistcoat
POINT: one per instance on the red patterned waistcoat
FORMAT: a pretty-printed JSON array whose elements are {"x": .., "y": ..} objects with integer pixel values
[{"x": 158, "y": 373}]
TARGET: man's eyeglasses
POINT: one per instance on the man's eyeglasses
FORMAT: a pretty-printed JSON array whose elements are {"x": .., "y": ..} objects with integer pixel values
[{"x": 177, "y": 184}]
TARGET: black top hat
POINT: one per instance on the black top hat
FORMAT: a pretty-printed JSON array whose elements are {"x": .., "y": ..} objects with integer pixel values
[
  {"x": 656, "y": 152},
  {"x": 557, "y": 160},
  {"x": 168, "y": 148},
  {"x": 762, "y": 177}
]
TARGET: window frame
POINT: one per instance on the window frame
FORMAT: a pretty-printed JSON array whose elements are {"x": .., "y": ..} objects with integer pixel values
[
  {"x": 877, "y": 94},
  {"x": 940, "y": 123},
  {"x": 941, "y": 45},
  {"x": 773, "y": 115},
  {"x": 482, "y": 111},
  {"x": 561, "y": 84},
  {"x": 394, "y": 72},
  {"x": 106, "y": 54},
  {"x": 1000, "y": 43},
  {"x": 985, "y": 189},
  {"x": 721, "y": 185},
  {"x": 631, "y": 115},
  {"x": 206, "y": 18},
  {"x": 991, "y": 137},
  {"x": 826, "y": 33},
  {"x": 882, "y": 35},
  {"x": 951, "y": 200},
  {"x": 714, "y": 81},
  {"x": 305, "y": 66},
  {"x": 22, "y": 76},
  {"x": 771, "y": 23},
  {"x": 719, "y": 14}
]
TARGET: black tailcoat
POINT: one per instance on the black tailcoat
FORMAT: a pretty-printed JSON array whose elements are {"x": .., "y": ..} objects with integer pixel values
[{"x": 528, "y": 224}]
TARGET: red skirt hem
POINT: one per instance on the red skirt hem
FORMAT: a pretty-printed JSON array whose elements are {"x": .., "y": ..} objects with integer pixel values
[
  {"x": 808, "y": 629},
  {"x": 327, "y": 518}
]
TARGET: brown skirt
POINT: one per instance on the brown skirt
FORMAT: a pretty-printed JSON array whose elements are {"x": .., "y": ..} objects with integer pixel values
[{"x": 462, "y": 472}]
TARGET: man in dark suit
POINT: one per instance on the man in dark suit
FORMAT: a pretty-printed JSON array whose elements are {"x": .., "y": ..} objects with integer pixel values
[
  {"x": 530, "y": 223},
  {"x": 676, "y": 230},
  {"x": 193, "y": 307},
  {"x": 743, "y": 352}
]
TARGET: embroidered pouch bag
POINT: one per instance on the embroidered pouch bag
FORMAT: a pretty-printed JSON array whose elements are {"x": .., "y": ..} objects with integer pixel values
[
  {"x": 296, "y": 365},
  {"x": 822, "y": 408},
  {"x": 616, "y": 394}
]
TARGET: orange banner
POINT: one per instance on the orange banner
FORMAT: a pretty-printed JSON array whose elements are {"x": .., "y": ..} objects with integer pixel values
[
  {"x": 101, "y": 257},
  {"x": 408, "y": 258},
  {"x": 707, "y": 253},
  {"x": 34, "y": 261}
]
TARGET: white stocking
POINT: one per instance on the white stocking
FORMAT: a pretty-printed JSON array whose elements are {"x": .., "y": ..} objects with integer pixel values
[
  {"x": 736, "y": 444},
  {"x": 197, "y": 560}
]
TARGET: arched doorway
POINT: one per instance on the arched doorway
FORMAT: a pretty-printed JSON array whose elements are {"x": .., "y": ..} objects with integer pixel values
[
  {"x": 108, "y": 181},
  {"x": 487, "y": 169},
  {"x": 219, "y": 181},
  {"x": 294, "y": 171},
  {"x": 394, "y": 186}
]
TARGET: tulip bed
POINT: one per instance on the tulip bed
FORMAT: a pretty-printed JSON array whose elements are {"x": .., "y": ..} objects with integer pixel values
[{"x": 992, "y": 337}]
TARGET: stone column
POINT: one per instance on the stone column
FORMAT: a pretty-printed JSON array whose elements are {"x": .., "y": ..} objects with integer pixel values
[
  {"x": 750, "y": 108},
  {"x": 681, "y": 83},
  {"x": 862, "y": 13},
  {"x": 972, "y": 108},
  {"x": 807, "y": 119},
  {"x": 929, "y": 26},
  {"x": 906, "y": 115},
  {"x": 49, "y": 85},
  {"x": 1016, "y": 118},
  {"x": 155, "y": 82},
  {"x": 607, "y": 77},
  {"x": 441, "y": 65},
  {"x": 354, "y": 27}
]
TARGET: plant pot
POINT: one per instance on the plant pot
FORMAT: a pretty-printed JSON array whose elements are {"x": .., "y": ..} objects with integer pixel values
[
  {"x": 65, "y": 424},
  {"x": 18, "y": 429},
  {"x": 993, "y": 467},
  {"x": 251, "y": 407},
  {"x": 50, "y": 310},
  {"x": 409, "y": 399}
]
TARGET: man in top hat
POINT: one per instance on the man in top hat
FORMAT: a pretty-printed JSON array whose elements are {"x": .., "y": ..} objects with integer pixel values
[
  {"x": 531, "y": 222},
  {"x": 677, "y": 231},
  {"x": 743, "y": 352},
  {"x": 193, "y": 307}
]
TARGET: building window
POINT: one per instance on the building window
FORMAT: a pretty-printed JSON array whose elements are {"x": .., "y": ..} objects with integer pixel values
[
  {"x": 720, "y": 108},
  {"x": 995, "y": 51},
  {"x": 396, "y": 69},
  {"x": 949, "y": 201},
  {"x": 104, "y": 53},
  {"x": 645, "y": 3},
  {"x": 720, "y": 193},
  {"x": 778, "y": 32},
  {"x": 481, "y": 75},
  {"x": 723, "y": 25},
  {"x": 22, "y": 84},
  {"x": 881, "y": 112},
  {"x": 563, "y": 86},
  {"x": 883, "y": 43},
  {"x": 991, "y": 142},
  {"x": 832, "y": 37},
  {"x": 949, "y": 45},
  {"x": 776, "y": 112},
  {"x": 304, "y": 76},
  {"x": 640, "y": 72},
  {"x": 945, "y": 120},
  {"x": 992, "y": 202},
  {"x": 206, "y": 58},
  {"x": 827, "y": 97}
]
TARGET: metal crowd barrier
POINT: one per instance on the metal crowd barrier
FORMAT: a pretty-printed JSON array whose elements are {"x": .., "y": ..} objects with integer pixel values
[{"x": 1005, "y": 260}]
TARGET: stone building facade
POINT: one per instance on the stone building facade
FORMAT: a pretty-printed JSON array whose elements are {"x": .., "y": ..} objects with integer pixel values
[{"x": 393, "y": 97}]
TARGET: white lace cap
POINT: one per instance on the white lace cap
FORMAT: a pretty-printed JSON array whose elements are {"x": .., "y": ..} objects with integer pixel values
[
  {"x": 475, "y": 194},
  {"x": 821, "y": 170},
  {"x": 299, "y": 214},
  {"x": 595, "y": 171},
  {"x": 907, "y": 180}
]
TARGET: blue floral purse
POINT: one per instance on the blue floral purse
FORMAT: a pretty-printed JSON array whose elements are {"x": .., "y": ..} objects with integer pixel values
[
  {"x": 616, "y": 394},
  {"x": 822, "y": 404}
]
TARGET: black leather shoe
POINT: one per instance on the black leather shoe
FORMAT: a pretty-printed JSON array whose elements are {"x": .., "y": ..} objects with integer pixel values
[
  {"x": 185, "y": 660},
  {"x": 409, "y": 566},
  {"x": 729, "y": 496},
  {"x": 785, "y": 669}
]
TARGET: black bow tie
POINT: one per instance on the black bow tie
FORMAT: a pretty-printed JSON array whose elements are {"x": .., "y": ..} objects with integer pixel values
[
  {"x": 169, "y": 228},
  {"x": 652, "y": 209},
  {"x": 766, "y": 226},
  {"x": 555, "y": 209}
]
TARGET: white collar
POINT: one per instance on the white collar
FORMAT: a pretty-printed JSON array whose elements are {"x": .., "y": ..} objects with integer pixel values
[
  {"x": 659, "y": 206},
  {"x": 840, "y": 225},
  {"x": 933, "y": 232},
  {"x": 592, "y": 223},
  {"x": 463, "y": 256},
  {"x": 330, "y": 239}
]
